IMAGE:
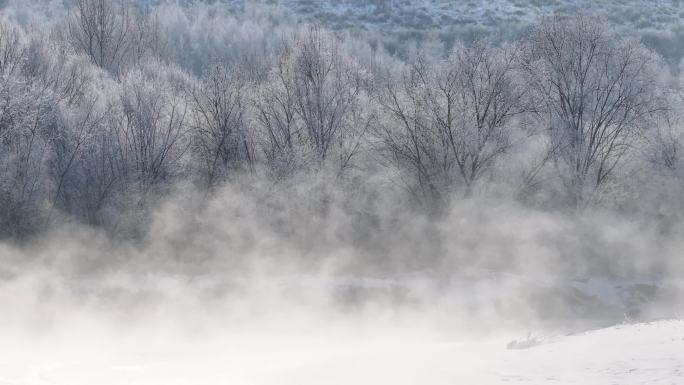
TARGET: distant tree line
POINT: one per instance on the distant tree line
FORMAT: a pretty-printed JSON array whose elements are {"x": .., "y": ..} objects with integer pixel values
[{"x": 104, "y": 113}]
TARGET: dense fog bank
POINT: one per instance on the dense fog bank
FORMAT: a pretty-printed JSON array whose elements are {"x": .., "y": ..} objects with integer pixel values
[{"x": 485, "y": 265}]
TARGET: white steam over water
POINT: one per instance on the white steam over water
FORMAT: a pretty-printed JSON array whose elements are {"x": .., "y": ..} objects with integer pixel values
[{"x": 250, "y": 305}]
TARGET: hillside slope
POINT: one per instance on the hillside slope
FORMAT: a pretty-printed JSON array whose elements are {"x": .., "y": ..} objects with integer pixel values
[{"x": 426, "y": 14}]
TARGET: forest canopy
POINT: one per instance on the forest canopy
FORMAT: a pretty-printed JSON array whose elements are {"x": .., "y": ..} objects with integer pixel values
[{"x": 107, "y": 108}]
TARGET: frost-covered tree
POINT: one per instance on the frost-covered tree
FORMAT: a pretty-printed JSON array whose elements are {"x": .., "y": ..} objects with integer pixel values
[
  {"x": 327, "y": 88},
  {"x": 595, "y": 92},
  {"x": 448, "y": 122},
  {"x": 114, "y": 33},
  {"x": 311, "y": 108},
  {"x": 28, "y": 118},
  {"x": 408, "y": 139},
  {"x": 221, "y": 139},
  {"x": 102, "y": 30},
  {"x": 95, "y": 185},
  {"x": 475, "y": 104},
  {"x": 276, "y": 116},
  {"x": 153, "y": 129},
  {"x": 59, "y": 68}
]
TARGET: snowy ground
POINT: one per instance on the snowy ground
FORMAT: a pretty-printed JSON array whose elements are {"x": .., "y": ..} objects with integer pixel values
[
  {"x": 651, "y": 353},
  {"x": 304, "y": 331}
]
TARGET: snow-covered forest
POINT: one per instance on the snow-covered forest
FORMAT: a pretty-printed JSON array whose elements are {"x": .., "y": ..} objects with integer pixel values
[
  {"x": 109, "y": 107},
  {"x": 227, "y": 163}
]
